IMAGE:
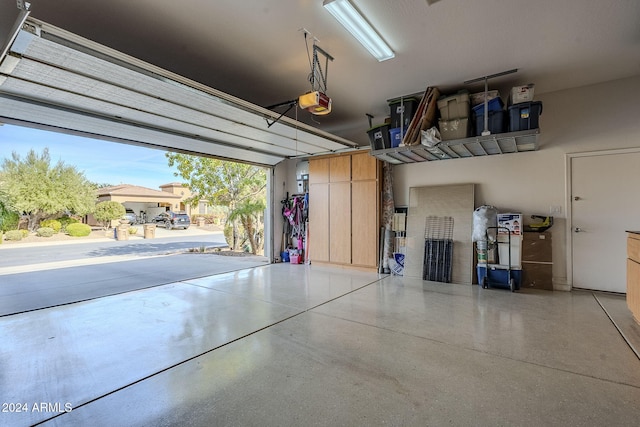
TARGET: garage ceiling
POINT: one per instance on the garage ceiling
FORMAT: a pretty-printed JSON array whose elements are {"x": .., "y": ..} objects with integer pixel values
[
  {"x": 53, "y": 79},
  {"x": 255, "y": 53}
]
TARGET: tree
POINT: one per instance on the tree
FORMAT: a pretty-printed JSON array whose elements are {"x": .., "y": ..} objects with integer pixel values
[
  {"x": 250, "y": 215},
  {"x": 108, "y": 211},
  {"x": 9, "y": 219},
  {"x": 224, "y": 183},
  {"x": 42, "y": 191}
]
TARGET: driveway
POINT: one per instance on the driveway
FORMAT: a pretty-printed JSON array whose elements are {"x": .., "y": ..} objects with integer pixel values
[{"x": 39, "y": 275}]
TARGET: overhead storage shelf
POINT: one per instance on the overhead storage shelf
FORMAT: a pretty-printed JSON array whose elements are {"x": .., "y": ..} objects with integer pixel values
[{"x": 503, "y": 143}]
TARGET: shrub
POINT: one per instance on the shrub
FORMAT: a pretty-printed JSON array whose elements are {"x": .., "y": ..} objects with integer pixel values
[
  {"x": 78, "y": 230},
  {"x": 45, "y": 232},
  {"x": 24, "y": 232},
  {"x": 54, "y": 224},
  {"x": 66, "y": 220},
  {"x": 13, "y": 235},
  {"x": 210, "y": 218},
  {"x": 133, "y": 230},
  {"x": 8, "y": 220}
]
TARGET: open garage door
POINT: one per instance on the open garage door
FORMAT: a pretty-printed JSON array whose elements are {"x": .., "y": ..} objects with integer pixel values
[{"x": 52, "y": 79}]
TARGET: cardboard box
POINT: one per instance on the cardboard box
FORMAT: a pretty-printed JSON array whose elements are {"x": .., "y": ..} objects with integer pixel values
[
  {"x": 536, "y": 247},
  {"x": 512, "y": 221},
  {"x": 537, "y": 275},
  {"x": 516, "y": 250}
]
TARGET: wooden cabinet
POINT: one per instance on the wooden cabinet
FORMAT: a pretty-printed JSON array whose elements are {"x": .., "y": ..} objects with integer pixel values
[
  {"x": 364, "y": 168},
  {"x": 633, "y": 274},
  {"x": 319, "y": 171},
  {"x": 318, "y": 246},
  {"x": 344, "y": 205},
  {"x": 340, "y": 222},
  {"x": 340, "y": 169},
  {"x": 364, "y": 223}
]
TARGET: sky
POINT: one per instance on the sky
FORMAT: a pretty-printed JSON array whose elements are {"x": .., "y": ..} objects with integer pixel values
[{"x": 102, "y": 162}]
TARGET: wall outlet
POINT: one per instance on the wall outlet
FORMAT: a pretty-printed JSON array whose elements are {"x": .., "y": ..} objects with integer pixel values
[{"x": 555, "y": 210}]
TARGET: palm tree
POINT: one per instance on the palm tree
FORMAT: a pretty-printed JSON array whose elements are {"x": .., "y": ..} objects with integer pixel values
[{"x": 250, "y": 214}]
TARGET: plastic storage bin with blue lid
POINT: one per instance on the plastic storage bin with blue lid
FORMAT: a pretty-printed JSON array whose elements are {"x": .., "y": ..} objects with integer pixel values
[
  {"x": 494, "y": 104},
  {"x": 524, "y": 116}
]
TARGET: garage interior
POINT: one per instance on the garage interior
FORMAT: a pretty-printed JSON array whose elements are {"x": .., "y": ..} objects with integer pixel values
[{"x": 335, "y": 342}]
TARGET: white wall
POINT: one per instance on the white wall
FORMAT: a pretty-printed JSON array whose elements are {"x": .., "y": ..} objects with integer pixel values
[
  {"x": 599, "y": 117},
  {"x": 283, "y": 181}
]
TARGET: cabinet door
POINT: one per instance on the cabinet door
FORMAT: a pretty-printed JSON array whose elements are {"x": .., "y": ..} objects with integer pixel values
[
  {"x": 633, "y": 288},
  {"x": 318, "y": 222},
  {"x": 364, "y": 211},
  {"x": 340, "y": 169},
  {"x": 340, "y": 222},
  {"x": 318, "y": 171},
  {"x": 363, "y": 167}
]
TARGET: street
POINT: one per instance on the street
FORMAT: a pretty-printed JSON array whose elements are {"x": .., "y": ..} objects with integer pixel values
[{"x": 179, "y": 240}]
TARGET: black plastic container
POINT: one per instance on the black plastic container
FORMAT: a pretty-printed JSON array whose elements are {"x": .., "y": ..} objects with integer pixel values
[
  {"x": 402, "y": 111},
  {"x": 524, "y": 116},
  {"x": 379, "y": 137},
  {"x": 497, "y": 122}
]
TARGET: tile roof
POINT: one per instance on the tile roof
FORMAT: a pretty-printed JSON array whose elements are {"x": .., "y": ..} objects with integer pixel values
[{"x": 134, "y": 190}]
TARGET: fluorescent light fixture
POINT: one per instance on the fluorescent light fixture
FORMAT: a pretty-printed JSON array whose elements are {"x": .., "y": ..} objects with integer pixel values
[{"x": 355, "y": 23}]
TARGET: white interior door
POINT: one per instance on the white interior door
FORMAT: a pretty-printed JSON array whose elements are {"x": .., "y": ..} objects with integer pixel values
[{"x": 605, "y": 201}]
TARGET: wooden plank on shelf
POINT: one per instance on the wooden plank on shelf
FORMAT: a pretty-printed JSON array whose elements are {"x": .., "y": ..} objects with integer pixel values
[
  {"x": 409, "y": 135},
  {"x": 424, "y": 117},
  {"x": 430, "y": 113}
]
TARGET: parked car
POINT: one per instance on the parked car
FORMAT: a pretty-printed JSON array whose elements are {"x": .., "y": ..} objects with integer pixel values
[
  {"x": 173, "y": 220},
  {"x": 131, "y": 216}
]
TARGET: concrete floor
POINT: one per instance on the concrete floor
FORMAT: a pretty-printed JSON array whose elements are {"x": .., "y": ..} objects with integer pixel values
[{"x": 292, "y": 345}]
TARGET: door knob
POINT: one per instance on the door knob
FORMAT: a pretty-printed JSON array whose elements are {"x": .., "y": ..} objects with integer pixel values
[
  {"x": 577, "y": 229},
  {"x": 576, "y": 198}
]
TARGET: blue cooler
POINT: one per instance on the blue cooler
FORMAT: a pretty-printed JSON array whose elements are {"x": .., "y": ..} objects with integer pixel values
[{"x": 497, "y": 276}]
